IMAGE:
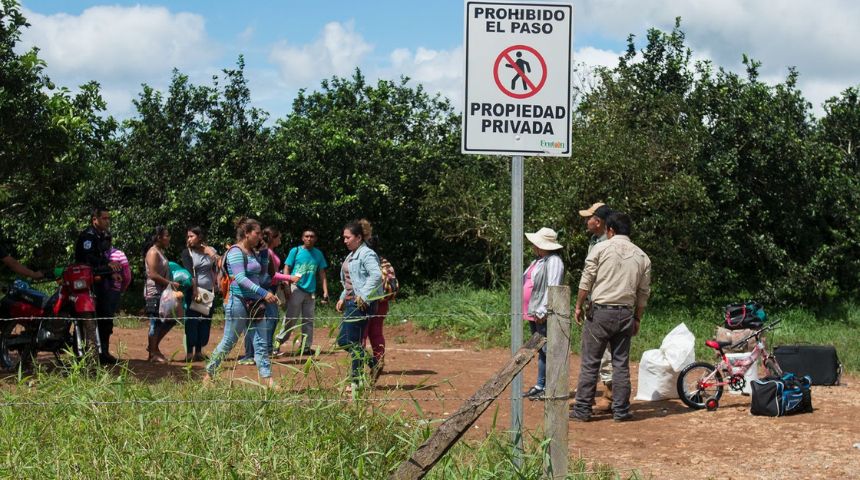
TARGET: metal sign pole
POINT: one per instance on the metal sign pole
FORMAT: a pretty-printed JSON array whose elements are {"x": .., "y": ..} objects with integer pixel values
[{"x": 517, "y": 300}]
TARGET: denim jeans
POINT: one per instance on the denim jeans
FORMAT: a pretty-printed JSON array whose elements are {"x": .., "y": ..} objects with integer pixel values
[
  {"x": 271, "y": 316},
  {"x": 197, "y": 328},
  {"x": 261, "y": 332},
  {"x": 540, "y": 328},
  {"x": 158, "y": 327},
  {"x": 350, "y": 338},
  {"x": 235, "y": 323}
]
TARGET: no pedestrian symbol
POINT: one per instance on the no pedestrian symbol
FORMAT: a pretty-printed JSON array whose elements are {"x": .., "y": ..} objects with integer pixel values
[{"x": 520, "y": 71}]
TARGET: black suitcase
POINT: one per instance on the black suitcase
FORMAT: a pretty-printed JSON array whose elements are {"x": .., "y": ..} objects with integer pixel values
[{"x": 818, "y": 361}]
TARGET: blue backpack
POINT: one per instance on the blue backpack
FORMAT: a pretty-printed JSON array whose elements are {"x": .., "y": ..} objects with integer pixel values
[{"x": 779, "y": 396}]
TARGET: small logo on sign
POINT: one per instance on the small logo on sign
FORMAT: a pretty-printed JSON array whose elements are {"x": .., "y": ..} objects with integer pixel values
[{"x": 551, "y": 144}]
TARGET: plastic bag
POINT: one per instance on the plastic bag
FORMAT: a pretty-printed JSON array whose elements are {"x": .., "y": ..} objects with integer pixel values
[
  {"x": 679, "y": 347},
  {"x": 658, "y": 368},
  {"x": 171, "y": 306}
]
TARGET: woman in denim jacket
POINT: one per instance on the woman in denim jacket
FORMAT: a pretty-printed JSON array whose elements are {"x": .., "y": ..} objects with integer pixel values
[{"x": 361, "y": 277}]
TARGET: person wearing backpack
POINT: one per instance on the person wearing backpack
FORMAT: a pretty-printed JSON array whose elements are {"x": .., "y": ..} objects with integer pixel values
[
  {"x": 375, "y": 323},
  {"x": 309, "y": 262},
  {"x": 362, "y": 286},
  {"x": 272, "y": 278},
  {"x": 245, "y": 269}
]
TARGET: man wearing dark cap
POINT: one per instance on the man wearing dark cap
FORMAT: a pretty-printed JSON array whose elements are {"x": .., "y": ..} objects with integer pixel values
[
  {"x": 595, "y": 222},
  {"x": 617, "y": 277}
]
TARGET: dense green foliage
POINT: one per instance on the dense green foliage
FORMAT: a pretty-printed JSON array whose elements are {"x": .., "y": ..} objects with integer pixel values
[{"x": 735, "y": 188}]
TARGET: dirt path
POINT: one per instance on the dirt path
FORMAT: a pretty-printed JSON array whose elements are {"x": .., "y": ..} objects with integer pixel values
[{"x": 665, "y": 440}]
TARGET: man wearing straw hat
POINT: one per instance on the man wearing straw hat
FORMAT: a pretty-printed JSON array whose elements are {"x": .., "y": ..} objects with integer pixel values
[
  {"x": 617, "y": 276},
  {"x": 546, "y": 270}
]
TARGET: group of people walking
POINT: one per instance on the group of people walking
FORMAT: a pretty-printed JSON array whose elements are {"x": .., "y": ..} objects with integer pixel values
[
  {"x": 257, "y": 284},
  {"x": 613, "y": 292}
]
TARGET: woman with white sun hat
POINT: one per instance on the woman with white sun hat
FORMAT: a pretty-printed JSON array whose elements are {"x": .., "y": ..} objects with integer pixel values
[{"x": 546, "y": 270}]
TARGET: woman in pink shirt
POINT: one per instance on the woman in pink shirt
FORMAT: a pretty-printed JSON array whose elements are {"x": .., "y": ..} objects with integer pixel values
[{"x": 546, "y": 270}]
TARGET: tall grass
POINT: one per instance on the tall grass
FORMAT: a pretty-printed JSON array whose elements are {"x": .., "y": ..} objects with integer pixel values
[
  {"x": 83, "y": 425},
  {"x": 482, "y": 315}
]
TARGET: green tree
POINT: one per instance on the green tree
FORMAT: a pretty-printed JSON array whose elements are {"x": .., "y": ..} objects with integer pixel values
[
  {"x": 352, "y": 150},
  {"x": 48, "y": 141}
]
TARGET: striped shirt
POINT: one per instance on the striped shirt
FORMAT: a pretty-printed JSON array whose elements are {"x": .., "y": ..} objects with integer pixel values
[{"x": 246, "y": 281}]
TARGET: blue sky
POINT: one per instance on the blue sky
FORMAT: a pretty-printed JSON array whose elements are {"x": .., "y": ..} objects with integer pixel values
[{"x": 294, "y": 44}]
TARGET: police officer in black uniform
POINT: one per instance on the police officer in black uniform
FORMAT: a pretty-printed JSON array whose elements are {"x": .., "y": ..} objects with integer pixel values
[{"x": 91, "y": 249}]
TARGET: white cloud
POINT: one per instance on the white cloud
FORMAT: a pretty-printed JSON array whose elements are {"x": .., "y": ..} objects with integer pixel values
[
  {"x": 818, "y": 38},
  {"x": 121, "y": 48},
  {"x": 337, "y": 51},
  {"x": 595, "y": 57},
  {"x": 113, "y": 42},
  {"x": 439, "y": 71}
]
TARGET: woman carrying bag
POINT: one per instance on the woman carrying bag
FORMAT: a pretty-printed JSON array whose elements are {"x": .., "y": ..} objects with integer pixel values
[
  {"x": 201, "y": 260},
  {"x": 246, "y": 269},
  {"x": 157, "y": 280}
]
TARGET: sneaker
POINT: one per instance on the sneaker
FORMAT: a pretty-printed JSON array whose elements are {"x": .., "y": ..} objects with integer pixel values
[
  {"x": 575, "y": 417},
  {"x": 624, "y": 417},
  {"x": 533, "y": 393},
  {"x": 247, "y": 361}
]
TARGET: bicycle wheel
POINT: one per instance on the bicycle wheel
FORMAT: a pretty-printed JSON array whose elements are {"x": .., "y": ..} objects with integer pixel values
[{"x": 698, "y": 382}]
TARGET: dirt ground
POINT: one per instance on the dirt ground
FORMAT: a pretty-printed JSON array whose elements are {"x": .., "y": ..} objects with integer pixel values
[{"x": 665, "y": 439}]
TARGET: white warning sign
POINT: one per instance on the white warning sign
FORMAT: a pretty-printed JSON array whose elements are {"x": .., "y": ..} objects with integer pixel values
[{"x": 518, "y": 78}]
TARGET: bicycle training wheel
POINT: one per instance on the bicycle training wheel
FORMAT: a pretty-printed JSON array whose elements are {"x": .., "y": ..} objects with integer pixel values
[{"x": 697, "y": 383}]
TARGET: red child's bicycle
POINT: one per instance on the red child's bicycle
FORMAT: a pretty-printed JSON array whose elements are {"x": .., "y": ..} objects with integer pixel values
[{"x": 700, "y": 384}]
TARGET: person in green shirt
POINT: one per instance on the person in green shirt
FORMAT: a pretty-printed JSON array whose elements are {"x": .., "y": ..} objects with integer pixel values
[{"x": 307, "y": 261}]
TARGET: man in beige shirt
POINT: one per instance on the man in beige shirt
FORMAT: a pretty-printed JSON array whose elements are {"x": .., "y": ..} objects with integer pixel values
[
  {"x": 617, "y": 276},
  {"x": 595, "y": 222}
]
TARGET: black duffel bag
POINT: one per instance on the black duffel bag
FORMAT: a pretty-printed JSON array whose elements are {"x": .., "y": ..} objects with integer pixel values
[
  {"x": 819, "y": 362},
  {"x": 778, "y": 396}
]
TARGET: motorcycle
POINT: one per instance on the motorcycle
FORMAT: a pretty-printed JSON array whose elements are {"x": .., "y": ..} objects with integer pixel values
[{"x": 32, "y": 322}]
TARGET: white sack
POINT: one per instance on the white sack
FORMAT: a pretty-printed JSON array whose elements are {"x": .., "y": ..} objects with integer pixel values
[
  {"x": 679, "y": 347},
  {"x": 658, "y": 369}
]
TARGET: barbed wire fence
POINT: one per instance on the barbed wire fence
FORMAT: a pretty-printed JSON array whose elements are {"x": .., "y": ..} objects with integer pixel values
[{"x": 421, "y": 394}]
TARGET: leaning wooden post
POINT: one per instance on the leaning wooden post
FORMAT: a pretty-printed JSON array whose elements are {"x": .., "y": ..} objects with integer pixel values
[
  {"x": 453, "y": 428},
  {"x": 557, "y": 374}
]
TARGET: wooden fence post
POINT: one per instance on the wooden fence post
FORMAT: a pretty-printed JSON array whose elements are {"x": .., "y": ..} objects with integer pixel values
[
  {"x": 453, "y": 428},
  {"x": 557, "y": 387}
]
